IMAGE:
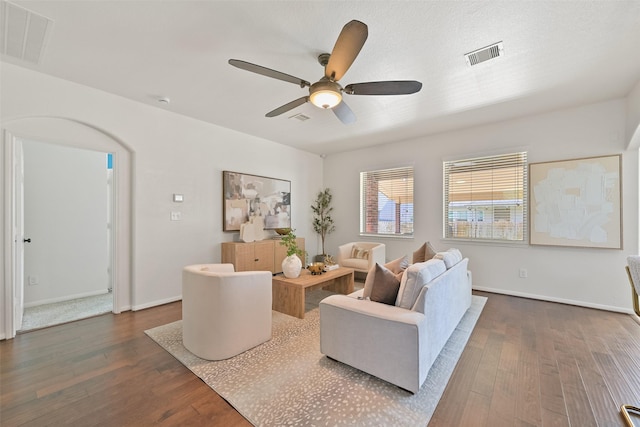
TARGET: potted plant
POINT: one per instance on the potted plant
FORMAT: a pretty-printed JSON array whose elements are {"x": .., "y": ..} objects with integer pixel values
[
  {"x": 322, "y": 221},
  {"x": 291, "y": 265}
]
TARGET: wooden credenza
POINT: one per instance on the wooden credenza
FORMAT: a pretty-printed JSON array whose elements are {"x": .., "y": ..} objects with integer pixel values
[{"x": 265, "y": 255}]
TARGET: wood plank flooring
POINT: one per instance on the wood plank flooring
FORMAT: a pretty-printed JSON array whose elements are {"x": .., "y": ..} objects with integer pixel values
[{"x": 527, "y": 363}]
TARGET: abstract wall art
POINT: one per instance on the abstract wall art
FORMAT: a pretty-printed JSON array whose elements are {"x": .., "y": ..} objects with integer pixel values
[
  {"x": 576, "y": 202},
  {"x": 255, "y": 199}
]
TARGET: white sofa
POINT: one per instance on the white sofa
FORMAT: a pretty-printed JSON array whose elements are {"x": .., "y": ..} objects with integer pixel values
[
  {"x": 224, "y": 313},
  {"x": 375, "y": 254},
  {"x": 398, "y": 343}
]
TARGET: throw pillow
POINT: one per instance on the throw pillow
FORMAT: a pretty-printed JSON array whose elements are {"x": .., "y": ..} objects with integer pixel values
[
  {"x": 359, "y": 253},
  {"x": 424, "y": 253},
  {"x": 385, "y": 286},
  {"x": 381, "y": 285},
  {"x": 415, "y": 278},
  {"x": 450, "y": 257},
  {"x": 398, "y": 266}
]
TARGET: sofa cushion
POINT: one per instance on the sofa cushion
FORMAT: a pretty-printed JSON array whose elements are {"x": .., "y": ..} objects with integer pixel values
[
  {"x": 424, "y": 253},
  {"x": 414, "y": 278},
  {"x": 398, "y": 266},
  {"x": 381, "y": 285},
  {"x": 450, "y": 257},
  {"x": 355, "y": 263},
  {"x": 359, "y": 252}
]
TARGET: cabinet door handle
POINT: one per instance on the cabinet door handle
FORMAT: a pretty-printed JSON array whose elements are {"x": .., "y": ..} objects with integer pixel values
[{"x": 257, "y": 259}]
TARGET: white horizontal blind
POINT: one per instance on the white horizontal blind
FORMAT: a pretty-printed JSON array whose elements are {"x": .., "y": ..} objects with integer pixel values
[
  {"x": 485, "y": 198},
  {"x": 386, "y": 202}
]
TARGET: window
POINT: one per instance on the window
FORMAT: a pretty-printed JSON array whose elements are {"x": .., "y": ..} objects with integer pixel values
[
  {"x": 485, "y": 198},
  {"x": 386, "y": 202}
]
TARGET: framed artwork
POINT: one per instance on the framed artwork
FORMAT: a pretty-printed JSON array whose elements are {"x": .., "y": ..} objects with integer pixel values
[
  {"x": 576, "y": 202},
  {"x": 251, "y": 197}
]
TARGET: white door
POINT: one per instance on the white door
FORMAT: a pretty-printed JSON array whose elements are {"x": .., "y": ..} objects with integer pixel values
[{"x": 19, "y": 238}]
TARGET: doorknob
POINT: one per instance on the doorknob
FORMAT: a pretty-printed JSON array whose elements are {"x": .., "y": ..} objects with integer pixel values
[{"x": 27, "y": 240}]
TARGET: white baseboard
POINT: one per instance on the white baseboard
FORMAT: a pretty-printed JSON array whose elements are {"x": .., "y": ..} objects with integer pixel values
[
  {"x": 155, "y": 303},
  {"x": 552, "y": 299},
  {"x": 64, "y": 298}
]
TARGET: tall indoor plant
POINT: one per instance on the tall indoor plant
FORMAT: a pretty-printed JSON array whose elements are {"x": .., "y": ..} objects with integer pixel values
[{"x": 322, "y": 221}]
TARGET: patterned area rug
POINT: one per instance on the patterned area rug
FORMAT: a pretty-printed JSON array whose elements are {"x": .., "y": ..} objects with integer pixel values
[{"x": 287, "y": 381}]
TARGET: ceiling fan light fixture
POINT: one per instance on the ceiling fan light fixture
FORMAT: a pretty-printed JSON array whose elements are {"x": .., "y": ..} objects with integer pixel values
[{"x": 325, "y": 94}]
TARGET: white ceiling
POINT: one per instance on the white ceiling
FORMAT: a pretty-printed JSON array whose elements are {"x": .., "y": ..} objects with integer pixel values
[{"x": 557, "y": 54}]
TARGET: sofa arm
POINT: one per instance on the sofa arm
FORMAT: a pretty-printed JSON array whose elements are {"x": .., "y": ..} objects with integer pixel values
[
  {"x": 362, "y": 307},
  {"x": 368, "y": 335},
  {"x": 344, "y": 252},
  {"x": 377, "y": 255}
]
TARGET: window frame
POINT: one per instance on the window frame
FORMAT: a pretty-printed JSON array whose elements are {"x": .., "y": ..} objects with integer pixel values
[
  {"x": 486, "y": 208},
  {"x": 392, "y": 174}
]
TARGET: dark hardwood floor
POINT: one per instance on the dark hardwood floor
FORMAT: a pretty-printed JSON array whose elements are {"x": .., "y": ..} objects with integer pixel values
[{"x": 527, "y": 363}]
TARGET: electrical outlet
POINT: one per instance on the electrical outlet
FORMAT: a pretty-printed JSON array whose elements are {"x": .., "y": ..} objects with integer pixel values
[
  {"x": 176, "y": 216},
  {"x": 33, "y": 280},
  {"x": 523, "y": 273}
]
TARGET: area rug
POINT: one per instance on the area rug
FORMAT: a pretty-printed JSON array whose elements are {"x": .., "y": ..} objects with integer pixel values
[{"x": 287, "y": 381}]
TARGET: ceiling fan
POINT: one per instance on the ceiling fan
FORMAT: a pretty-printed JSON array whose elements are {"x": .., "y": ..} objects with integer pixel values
[{"x": 327, "y": 92}]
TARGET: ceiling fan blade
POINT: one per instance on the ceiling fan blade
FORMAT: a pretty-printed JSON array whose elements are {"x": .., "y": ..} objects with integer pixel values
[
  {"x": 346, "y": 49},
  {"x": 286, "y": 107},
  {"x": 344, "y": 113},
  {"x": 399, "y": 87},
  {"x": 259, "y": 69}
]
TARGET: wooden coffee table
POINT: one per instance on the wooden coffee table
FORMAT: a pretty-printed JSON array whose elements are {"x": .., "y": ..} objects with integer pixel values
[{"x": 288, "y": 294}]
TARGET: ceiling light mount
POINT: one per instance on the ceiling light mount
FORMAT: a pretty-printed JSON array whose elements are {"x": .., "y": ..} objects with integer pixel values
[{"x": 323, "y": 59}]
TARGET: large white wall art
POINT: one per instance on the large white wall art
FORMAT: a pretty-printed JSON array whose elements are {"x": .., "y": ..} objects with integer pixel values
[{"x": 576, "y": 202}]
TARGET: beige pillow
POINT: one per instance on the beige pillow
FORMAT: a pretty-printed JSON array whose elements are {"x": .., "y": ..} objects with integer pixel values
[
  {"x": 381, "y": 285},
  {"x": 450, "y": 257},
  {"x": 359, "y": 253},
  {"x": 398, "y": 266},
  {"x": 415, "y": 278},
  {"x": 424, "y": 253}
]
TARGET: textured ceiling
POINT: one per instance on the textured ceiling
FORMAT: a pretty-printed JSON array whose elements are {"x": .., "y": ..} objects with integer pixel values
[{"x": 557, "y": 54}]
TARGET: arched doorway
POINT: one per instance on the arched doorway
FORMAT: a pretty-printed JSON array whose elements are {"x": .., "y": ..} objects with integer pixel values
[{"x": 73, "y": 134}]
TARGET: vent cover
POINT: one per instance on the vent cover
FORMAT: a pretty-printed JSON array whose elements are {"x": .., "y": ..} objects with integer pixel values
[
  {"x": 22, "y": 32},
  {"x": 300, "y": 117},
  {"x": 484, "y": 54}
]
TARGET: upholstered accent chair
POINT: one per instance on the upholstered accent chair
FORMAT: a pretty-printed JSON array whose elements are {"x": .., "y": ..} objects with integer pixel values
[
  {"x": 361, "y": 256},
  {"x": 224, "y": 312},
  {"x": 633, "y": 272}
]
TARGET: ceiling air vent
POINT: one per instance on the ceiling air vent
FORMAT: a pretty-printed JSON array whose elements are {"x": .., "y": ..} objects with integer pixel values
[
  {"x": 300, "y": 117},
  {"x": 22, "y": 32},
  {"x": 484, "y": 54}
]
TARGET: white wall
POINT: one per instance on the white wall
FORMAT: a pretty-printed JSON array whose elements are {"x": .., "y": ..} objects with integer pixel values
[
  {"x": 633, "y": 118},
  {"x": 65, "y": 217},
  {"x": 171, "y": 154},
  {"x": 585, "y": 276}
]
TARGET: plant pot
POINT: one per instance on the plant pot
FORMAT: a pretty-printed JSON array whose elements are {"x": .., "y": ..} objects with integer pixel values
[{"x": 291, "y": 267}]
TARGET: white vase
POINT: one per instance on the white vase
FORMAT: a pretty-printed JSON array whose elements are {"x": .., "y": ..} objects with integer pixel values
[{"x": 291, "y": 267}]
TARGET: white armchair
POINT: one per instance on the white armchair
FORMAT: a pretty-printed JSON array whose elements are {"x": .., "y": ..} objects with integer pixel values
[
  {"x": 358, "y": 260},
  {"x": 224, "y": 313}
]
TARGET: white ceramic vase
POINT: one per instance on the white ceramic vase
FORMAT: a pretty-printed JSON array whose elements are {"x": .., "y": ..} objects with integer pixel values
[{"x": 291, "y": 267}]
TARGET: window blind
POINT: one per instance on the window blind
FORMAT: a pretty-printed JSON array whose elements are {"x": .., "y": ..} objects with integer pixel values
[
  {"x": 386, "y": 201},
  {"x": 485, "y": 197}
]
